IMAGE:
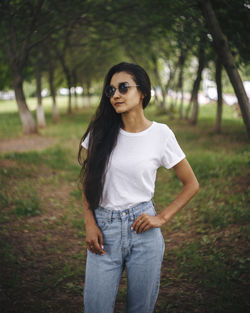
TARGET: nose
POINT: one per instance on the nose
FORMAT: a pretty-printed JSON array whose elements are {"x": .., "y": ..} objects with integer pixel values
[{"x": 116, "y": 94}]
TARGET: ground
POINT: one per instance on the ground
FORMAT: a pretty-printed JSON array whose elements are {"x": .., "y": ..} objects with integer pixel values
[
  {"x": 24, "y": 143},
  {"x": 43, "y": 250}
]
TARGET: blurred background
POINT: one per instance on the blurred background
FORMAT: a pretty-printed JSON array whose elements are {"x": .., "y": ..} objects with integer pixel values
[{"x": 53, "y": 59}]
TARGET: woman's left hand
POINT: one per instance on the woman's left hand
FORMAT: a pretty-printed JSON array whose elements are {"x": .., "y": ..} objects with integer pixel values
[{"x": 145, "y": 222}]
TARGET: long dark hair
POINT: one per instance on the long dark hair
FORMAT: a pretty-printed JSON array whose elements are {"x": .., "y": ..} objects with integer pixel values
[{"x": 103, "y": 131}]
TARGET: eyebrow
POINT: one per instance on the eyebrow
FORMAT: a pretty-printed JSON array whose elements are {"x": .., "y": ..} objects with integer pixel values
[{"x": 121, "y": 83}]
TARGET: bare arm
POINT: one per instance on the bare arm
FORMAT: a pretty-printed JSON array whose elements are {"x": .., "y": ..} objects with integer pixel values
[
  {"x": 94, "y": 238},
  {"x": 190, "y": 187}
]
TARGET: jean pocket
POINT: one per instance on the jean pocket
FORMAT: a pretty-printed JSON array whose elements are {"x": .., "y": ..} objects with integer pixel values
[
  {"x": 150, "y": 211},
  {"x": 102, "y": 223}
]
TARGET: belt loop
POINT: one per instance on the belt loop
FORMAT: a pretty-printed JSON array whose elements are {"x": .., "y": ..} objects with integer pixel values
[
  {"x": 133, "y": 214},
  {"x": 110, "y": 216}
]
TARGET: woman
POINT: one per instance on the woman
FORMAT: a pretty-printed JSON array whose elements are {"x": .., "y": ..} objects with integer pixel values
[{"x": 123, "y": 151}]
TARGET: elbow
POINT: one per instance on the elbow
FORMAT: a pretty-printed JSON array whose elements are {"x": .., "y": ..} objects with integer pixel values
[
  {"x": 196, "y": 187},
  {"x": 193, "y": 187}
]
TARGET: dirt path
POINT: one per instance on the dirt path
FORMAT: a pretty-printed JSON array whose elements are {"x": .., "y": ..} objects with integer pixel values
[{"x": 25, "y": 143}]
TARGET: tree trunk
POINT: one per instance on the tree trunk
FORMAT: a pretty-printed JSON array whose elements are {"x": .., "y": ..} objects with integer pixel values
[
  {"x": 28, "y": 122},
  {"x": 164, "y": 100},
  {"x": 68, "y": 78},
  {"x": 88, "y": 85},
  {"x": 158, "y": 80},
  {"x": 74, "y": 76},
  {"x": 69, "y": 100},
  {"x": 173, "y": 98},
  {"x": 181, "y": 62},
  {"x": 83, "y": 96},
  {"x": 195, "y": 111},
  {"x": 180, "y": 82},
  {"x": 167, "y": 86},
  {"x": 223, "y": 50},
  {"x": 40, "y": 112},
  {"x": 76, "y": 99},
  {"x": 55, "y": 112},
  {"x": 196, "y": 87},
  {"x": 217, "y": 127}
]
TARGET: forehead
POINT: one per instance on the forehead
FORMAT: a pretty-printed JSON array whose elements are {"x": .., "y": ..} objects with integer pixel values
[{"x": 121, "y": 77}]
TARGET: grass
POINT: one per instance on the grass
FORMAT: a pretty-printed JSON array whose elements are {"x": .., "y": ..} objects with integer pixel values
[{"x": 43, "y": 252}]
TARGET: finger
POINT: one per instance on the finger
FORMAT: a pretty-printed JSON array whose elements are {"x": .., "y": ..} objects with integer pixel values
[
  {"x": 142, "y": 226},
  {"x": 97, "y": 247},
  {"x": 100, "y": 239},
  {"x": 147, "y": 227},
  {"x": 101, "y": 247},
  {"x": 137, "y": 223},
  {"x": 91, "y": 249}
]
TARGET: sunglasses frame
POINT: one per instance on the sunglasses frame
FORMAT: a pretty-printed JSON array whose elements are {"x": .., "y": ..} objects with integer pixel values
[{"x": 120, "y": 86}]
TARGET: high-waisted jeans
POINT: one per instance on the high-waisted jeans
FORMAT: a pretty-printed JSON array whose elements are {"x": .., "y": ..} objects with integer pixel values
[{"x": 140, "y": 253}]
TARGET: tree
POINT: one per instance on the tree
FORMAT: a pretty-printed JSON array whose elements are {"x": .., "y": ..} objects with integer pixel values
[
  {"x": 218, "y": 74},
  {"x": 221, "y": 46},
  {"x": 17, "y": 36},
  {"x": 24, "y": 25},
  {"x": 196, "y": 85},
  {"x": 39, "y": 111}
]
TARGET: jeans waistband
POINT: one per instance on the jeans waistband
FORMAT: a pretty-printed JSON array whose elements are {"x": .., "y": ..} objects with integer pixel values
[{"x": 118, "y": 214}]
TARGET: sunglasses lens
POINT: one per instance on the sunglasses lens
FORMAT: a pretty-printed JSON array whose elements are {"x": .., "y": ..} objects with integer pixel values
[
  {"x": 123, "y": 87},
  {"x": 109, "y": 91}
]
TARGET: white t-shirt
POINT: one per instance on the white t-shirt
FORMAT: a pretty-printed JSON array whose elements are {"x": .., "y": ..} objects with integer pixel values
[{"x": 131, "y": 171}]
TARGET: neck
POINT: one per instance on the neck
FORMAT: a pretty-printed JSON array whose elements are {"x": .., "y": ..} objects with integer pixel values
[{"x": 135, "y": 122}]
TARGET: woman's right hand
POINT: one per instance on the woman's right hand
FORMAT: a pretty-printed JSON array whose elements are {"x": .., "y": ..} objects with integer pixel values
[{"x": 94, "y": 239}]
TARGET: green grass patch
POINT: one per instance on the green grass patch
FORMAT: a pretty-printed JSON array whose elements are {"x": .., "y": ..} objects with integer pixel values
[
  {"x": 207, "y": 255},
  {"x": 27, "y": 207}
]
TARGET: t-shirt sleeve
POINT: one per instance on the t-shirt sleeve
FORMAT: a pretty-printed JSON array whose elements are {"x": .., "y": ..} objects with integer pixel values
[
  {"x": 172, "y": 153},
  {"x": 85, "y": 142}
]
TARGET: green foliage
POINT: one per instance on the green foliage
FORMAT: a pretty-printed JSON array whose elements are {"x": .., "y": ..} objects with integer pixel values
[
  {"x": 27, "y": 207},
  {"x": 77, "y": 193},
  {"x": 55, "y": 158},
  {"x": 217, "y": 165},
  {"x": 3, "y": 201}
]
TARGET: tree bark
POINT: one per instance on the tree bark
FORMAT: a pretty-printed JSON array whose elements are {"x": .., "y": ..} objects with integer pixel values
[
  {"x": 222, "y": 48},
  {"x": 88, "y": 85},
  {"x": 217, "y": 127},
  {"x": 74, "y": 75},
  {"x": 69, "y": 99},
  {"x": 28, "y": 122},
  {"x": 68, "y": 77},
  {"x": 55, "y": 112},
  {"x": 196, "y": 87},
  {"x": 17, "y": 57},
  {"x": 83, "y": 96},
  {"x": 180, "y": 82},
  {"x": 40, "y": 112},
  {"x": 162, "y": 103}
]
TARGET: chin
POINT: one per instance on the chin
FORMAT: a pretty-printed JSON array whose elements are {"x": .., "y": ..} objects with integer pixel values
[{"x": 120, "y": 110}]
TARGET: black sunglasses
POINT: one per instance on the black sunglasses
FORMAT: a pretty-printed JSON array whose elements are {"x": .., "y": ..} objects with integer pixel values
[{"x": 122, "y": 87}]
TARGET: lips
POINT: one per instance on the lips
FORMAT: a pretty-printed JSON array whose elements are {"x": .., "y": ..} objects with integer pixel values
[{"x": 117, "y": 103}]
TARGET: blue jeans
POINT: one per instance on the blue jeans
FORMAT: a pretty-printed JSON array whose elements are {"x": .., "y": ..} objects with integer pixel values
[{"x": 141, "y": 254}]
